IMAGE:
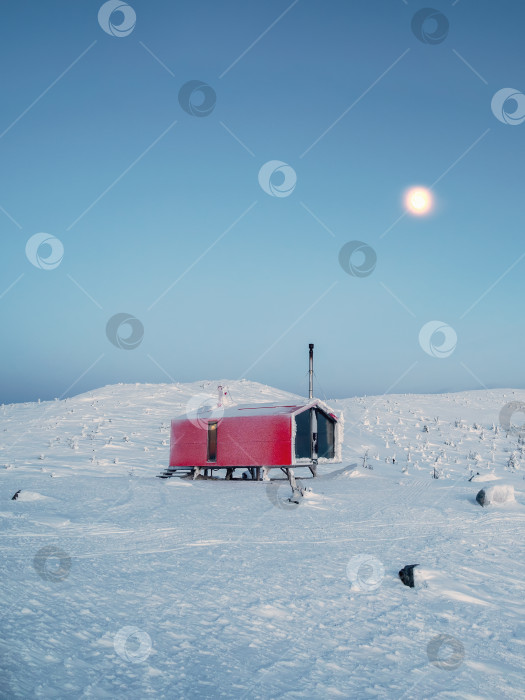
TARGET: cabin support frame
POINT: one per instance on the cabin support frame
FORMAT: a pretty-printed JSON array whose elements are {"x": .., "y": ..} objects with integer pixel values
[{"x": 262, "y": 473}]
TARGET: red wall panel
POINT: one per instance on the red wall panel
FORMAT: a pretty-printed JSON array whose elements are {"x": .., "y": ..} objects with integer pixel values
[{"x": 241, "y": 442}]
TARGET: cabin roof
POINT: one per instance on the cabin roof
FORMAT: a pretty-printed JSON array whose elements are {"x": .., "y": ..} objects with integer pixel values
[
  {"x": 263, "y": 409},
  {"x": 267, "y": 409}
]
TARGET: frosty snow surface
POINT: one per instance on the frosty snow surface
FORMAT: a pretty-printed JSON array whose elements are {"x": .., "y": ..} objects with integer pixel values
[{"x": 118, "y": 584}]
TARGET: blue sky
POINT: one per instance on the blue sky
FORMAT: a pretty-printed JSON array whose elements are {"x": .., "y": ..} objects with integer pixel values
[{"x": 96, "y": 150}]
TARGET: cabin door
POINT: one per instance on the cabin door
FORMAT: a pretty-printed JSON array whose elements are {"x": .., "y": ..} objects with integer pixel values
[
  {"x": 305, "y": 435},
  {"x": 325, "y": 436}
]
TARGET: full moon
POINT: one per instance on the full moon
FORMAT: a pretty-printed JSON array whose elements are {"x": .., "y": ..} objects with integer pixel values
[{"x": 418, "y": 200}]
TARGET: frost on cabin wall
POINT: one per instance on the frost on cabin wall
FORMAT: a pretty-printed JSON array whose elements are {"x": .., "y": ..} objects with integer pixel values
[{"x": 339, "y": 437}]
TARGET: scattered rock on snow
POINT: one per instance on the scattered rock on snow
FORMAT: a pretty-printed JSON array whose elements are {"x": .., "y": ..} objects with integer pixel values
[
  {"x": 495, "y": 495},
  {"x": 407, "y": 575}
]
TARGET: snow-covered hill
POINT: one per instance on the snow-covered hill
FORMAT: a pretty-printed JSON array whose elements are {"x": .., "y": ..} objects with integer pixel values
[{"x": 119, "y": 584}]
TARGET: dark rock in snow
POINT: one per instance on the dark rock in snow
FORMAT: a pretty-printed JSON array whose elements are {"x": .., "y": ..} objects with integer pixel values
[
  {"x": 407, "y": 575},
  {"x": 14, "y": 498},
  {"x": 480, "y": 498}
]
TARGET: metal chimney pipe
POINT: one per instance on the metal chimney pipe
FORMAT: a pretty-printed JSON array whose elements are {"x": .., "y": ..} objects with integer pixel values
[{"x": 311, "y": 372}]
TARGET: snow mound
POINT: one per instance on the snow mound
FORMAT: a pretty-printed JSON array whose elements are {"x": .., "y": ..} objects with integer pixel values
[
  {"x": 447, "y": 585},
  {"x": 350, "y": 472},
  {"x": 485, "y": 477},
  {"x": 496, "y": 495},
  {"x": 31, "y": 496}
]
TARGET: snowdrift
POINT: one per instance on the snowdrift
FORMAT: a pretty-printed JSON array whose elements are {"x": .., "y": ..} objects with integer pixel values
[{"x": 119, "y": 584}]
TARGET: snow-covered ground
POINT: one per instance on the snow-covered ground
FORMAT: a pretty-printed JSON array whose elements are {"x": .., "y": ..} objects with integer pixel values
[{"x": 116, "y": 584}]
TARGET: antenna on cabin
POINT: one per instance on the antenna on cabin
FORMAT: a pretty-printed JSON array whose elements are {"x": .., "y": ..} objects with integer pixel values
[{"x": 311, "y": 371}]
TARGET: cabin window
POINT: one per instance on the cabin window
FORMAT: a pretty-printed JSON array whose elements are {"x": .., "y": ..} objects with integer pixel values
[{"x": 212, "y": 441}]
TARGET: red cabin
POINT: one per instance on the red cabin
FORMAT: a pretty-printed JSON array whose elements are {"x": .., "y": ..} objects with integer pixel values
[{"x": 255, "y": 438}]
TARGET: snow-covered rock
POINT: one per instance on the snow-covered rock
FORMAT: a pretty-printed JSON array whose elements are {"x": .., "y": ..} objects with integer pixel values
[{"x": 496, "y": 495}]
